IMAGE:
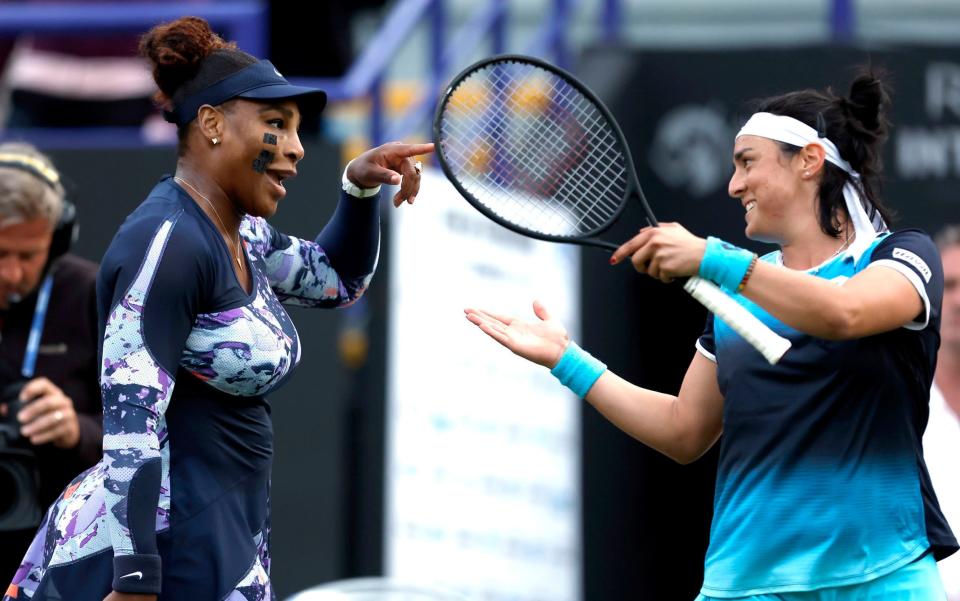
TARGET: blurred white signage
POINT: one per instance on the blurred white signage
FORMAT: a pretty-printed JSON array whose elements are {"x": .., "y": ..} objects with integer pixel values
[{"x": 482, "y": 467}]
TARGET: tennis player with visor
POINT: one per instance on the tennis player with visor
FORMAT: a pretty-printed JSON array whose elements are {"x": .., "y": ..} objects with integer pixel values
[{"x": 194, "y": 336}]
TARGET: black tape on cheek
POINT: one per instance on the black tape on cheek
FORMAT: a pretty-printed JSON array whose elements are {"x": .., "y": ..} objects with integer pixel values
[
  {"x": 263, "y": 159},
  {"x": 269, "y": 138}
]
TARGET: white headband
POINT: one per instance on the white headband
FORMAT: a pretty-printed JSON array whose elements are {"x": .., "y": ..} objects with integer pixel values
[{"x": 792, "y": 131}]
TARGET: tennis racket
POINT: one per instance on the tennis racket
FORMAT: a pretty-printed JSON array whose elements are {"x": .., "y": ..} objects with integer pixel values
[{"x": 533, "y": 149}]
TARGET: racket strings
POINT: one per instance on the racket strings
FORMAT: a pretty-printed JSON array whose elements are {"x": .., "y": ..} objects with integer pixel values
[
  {"x": 570, "y": 186},
  {"x": 504, "y": 199},
  {"x": 587, "y": 177},
  {"x": 583, "y": 178},
  {"x": 515, "y": 201},
  {"x": 615, "y": 185},
  {"x": 571, "y": 98},
  {"x": 534, "y": 150}
]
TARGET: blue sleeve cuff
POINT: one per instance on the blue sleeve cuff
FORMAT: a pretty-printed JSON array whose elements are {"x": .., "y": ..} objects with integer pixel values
[{"x": 137, "y": 574}]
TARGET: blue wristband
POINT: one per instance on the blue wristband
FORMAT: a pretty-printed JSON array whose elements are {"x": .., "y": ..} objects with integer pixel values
[
  {"x": 725, "y": 264},
  {"x": 578, "y": 369}
]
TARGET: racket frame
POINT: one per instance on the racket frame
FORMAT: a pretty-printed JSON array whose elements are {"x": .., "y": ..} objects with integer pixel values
[
  {"x": 633, "y": 188},
  {"x": 758, "y": 334}
]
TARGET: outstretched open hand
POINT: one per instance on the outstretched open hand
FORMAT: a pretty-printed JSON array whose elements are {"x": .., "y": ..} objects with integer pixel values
[
  {"x": 542, "y": 341},
  {"x": 392, "y": 163}
]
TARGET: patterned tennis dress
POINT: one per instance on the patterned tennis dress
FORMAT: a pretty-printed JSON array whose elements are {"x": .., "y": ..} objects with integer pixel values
[{"x": 179, "y": 504}]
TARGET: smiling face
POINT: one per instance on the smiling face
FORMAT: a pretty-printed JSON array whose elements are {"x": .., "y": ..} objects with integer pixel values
[
  {"x": 261, "y": 148},
  {"x": 768, "y": 184}
]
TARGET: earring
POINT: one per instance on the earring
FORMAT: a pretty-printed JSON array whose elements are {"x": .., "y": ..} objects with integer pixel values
[
  {"x": 805, "y": 173},
  {"x": 215, "y": 141}
]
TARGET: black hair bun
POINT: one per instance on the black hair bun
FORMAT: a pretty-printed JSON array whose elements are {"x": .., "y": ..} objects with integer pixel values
[{"x": 176, "y": 50}]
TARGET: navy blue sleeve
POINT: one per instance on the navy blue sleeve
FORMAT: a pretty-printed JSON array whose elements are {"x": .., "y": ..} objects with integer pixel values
[
  {"x": 352, "y": 236},
  {"x": 706, "y": 345},
  {"x": 914, "y": 255},
  {"x": 149, "y": 292}
]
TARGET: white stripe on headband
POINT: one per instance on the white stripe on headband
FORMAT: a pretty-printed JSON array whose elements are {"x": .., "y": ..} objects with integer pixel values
[{"x": 792, "y": 131}]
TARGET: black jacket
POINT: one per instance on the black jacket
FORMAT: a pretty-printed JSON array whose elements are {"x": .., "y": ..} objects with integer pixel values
[{"x": 67, "y": 357}]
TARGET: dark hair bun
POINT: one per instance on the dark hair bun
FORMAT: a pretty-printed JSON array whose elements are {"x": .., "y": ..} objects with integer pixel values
[
  {"x": 176, "y": 49},
  {"x": 868, "y": 100}
]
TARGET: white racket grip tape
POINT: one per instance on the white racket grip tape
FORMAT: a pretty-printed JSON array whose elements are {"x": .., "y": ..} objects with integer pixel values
[{"x": 770, "y": 344}]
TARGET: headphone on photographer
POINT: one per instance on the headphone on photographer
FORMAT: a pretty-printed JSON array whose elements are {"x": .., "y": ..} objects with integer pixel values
[
  {"x": 67, "y": 229},
  {"x": 65, "y": 233}
]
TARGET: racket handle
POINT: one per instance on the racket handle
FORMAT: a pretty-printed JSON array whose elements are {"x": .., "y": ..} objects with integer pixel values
[{"x": 770, "y": 344}]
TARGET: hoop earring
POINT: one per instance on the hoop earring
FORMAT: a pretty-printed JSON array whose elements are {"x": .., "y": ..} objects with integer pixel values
[{"x": 215, "y": 141}]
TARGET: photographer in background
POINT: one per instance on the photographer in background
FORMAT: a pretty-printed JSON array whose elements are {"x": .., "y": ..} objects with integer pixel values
[{"x": 50, "y": 409}]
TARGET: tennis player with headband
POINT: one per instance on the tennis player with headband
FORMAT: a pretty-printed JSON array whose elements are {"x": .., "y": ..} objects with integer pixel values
[
  {"x": 194, "y": 335},
  {"x": 822, "y": 492}
]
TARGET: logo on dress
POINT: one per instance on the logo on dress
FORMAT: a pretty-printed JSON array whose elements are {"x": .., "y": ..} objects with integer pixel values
[{"x": 908, "y": 257}]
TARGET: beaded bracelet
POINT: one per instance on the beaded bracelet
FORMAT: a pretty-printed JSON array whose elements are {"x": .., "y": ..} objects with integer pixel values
[{"x": 746, "y": 276}]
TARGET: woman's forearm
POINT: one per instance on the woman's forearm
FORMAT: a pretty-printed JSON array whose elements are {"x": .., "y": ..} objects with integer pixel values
[
  {"x": 875, "y": 300},
  {"x": 681, "y": 427}
]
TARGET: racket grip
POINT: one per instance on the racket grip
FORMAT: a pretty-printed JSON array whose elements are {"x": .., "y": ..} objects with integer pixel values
[{"x": 770, "y": 344}]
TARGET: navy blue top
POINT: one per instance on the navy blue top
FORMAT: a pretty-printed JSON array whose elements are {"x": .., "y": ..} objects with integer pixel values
[{"x": 821, "y": 480}]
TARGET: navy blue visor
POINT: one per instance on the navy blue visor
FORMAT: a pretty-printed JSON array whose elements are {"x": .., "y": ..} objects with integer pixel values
[{"x": 259, "y": 81}]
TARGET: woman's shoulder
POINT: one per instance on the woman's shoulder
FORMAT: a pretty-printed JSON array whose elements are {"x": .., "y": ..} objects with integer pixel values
[
  {"x": 912, "y": 240},
  {"x": 913, "y": 248},
  {"x": 162, "y": 223},
  {"x": 916, "y": 235}
]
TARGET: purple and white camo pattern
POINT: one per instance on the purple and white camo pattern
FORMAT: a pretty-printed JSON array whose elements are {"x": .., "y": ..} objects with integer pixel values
[
  {"x": 136, "y": 391},
  {"x": 298, "y": 270},
  {"x": 243, "y": 351},
  {"x": 255, "y": 585}
]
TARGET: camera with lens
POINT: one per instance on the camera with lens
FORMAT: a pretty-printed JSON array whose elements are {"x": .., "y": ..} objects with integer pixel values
[{"x": 20, "y": 507}]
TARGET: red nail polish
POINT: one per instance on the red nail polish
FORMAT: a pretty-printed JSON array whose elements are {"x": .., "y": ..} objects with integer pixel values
[{"x": 613, "y": 260}]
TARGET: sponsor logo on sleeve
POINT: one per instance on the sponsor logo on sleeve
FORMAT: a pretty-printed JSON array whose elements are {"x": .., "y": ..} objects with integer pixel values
[{"x": 913, "y": 260}]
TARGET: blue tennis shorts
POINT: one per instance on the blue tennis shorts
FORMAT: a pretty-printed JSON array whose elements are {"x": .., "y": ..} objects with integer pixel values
[{"x": 917, "y": 581}]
